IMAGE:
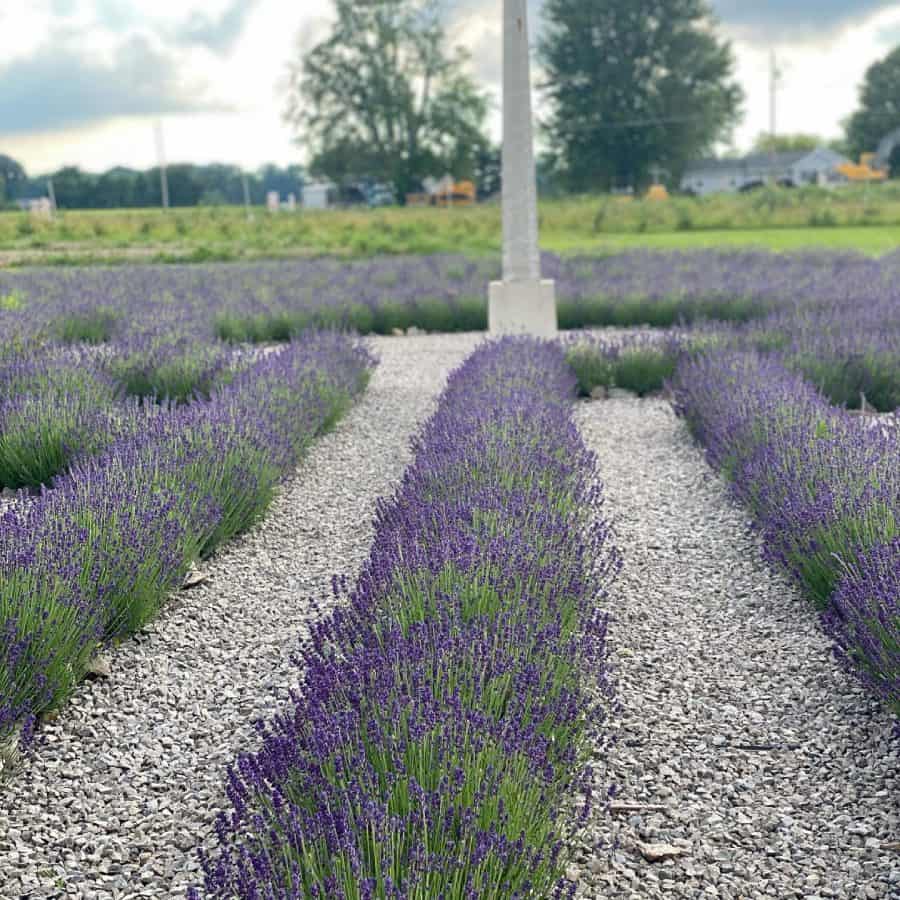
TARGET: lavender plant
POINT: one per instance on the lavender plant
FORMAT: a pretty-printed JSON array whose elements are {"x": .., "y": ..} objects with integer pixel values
[
  {"x": 865, "y": 620},
  {"x": 90, "y": 325},
  {"x": 170, "y": 367},
  {"x": 54, "y": 406},
  {"x": 642, "y": 362},
  {"x": 823, "y": 487},
  {"x": 96, "y": 555},
  {"x": 440, "y": 723}
]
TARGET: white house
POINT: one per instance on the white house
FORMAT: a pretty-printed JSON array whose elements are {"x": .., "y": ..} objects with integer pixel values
[
  {"x": 319, "y": 194},
  {"x": 710, "y": 176}
]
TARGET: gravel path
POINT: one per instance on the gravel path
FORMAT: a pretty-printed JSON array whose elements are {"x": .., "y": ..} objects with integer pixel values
[
  {"x": 128, "y": 778},
  {"x": 775, "y": 774}
]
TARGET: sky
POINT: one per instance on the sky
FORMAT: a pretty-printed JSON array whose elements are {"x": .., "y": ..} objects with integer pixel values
[{"x": 82, "y": 82}]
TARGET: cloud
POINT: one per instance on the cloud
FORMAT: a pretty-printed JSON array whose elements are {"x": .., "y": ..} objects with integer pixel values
[
  {"x": 807, "y": 19},
  {"x": 755, "y": 19},
  {"x": 216, "y": 33},
  {"x": 60, "y": 87}
]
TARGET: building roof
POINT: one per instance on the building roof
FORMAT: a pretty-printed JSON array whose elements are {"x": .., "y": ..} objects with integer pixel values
[{"x": 755, "y": 162}]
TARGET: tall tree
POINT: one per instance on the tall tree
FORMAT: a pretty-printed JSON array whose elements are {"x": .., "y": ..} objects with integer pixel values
[
  {"x": 633, "y": 84},
  {"x": 382, "y": 96},
  {"x": 879, "y": 106},
  {"x": 11, "y": 174}
]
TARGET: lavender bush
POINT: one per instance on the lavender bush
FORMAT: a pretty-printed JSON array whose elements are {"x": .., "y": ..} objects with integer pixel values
[
  {"x": 641, "y": 362},
  {"x": 169, "y": 366},
  {"x": 823, "y": 486},
  {"x": 95, "y": 555},
  {"x": 55, "y": 405},
  {"x": 440, "y": 722},
  {"x": 89, "y": 325},
  {"x": 865, "y": 619}
]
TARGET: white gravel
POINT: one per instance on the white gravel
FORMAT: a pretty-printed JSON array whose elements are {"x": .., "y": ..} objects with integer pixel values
[
  {"x": 126, "y": 781},
  {"x": 776, "y": 774}
]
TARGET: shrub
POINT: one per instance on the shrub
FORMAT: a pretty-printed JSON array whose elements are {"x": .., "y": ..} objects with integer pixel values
[
  {"x": 823, "y": 487},
  {"x": 447, "y": 694},
  {"x": 97, "y": 555},
  {"x": 54, "y": 407},
  {"x": 865, "y": 620},
  {"x": 170, "y": 369},
  {"x": 90, "y": 326},
  {"x": 640, "y": 363}
]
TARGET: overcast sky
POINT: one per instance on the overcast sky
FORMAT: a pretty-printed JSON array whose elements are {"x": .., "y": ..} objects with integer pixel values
[{"x": 82, "y": 81}]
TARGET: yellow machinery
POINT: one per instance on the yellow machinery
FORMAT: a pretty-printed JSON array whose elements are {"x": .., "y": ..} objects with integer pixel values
[
  {"x": 460, "y": 193},
  {"x": 657, "y": 192},
  {"x": 862, "y": 171}
]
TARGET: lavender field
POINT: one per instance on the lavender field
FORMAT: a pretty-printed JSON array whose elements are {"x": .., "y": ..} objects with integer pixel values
[
  {"x": 272, "y": 301},
  {"x": 443, "y": 722}
]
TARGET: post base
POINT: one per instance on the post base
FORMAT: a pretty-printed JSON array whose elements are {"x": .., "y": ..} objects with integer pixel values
[{"x": 523, "y": 307}]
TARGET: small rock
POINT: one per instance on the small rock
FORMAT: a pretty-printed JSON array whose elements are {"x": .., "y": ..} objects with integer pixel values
[
  {"x": 412, "y": 331},
  {"x": 194, "y": 578},
  {"x": 99, "y": 667},
  {"x": 659, "y": 852},
  {"x": 397, "y": 332},
  {"x": 599, "y": 392}
]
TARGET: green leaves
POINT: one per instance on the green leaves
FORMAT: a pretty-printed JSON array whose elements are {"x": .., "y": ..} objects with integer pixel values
[
  {"x": 633, "y": 84},
  {"x": 382, "y": 94}
]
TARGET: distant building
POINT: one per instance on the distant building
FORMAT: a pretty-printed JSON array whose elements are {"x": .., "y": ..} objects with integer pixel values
[
  {"x": 37, "y": 206},
  {"x": 711, "y": 176},
  {"x": 319, "y": 194}
]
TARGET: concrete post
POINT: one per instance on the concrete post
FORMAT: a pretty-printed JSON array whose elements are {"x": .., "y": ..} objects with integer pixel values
[{"x": 522, "y": 303}]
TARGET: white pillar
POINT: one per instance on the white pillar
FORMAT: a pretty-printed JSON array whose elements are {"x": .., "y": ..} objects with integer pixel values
[{"x": 522, "y": 303}]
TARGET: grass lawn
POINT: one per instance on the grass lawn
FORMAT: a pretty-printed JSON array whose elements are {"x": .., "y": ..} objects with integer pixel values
[
  {"x": 773, "y": 219},
  {"x": 873, "y": 240}
]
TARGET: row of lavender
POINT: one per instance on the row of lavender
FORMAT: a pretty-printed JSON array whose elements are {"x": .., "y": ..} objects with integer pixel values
[
  {"x": 150, "y": 489},
  {"x": 59, "y": 402},
  {"x": 823, "y": 487},
  {"x": 271, "y": 301},
  {"x": 853, "y": 367},
  {"x": 439, "y": 728}
]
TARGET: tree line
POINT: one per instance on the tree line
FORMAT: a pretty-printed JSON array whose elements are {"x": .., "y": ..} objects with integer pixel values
[
  {"x": 631, "y": 89},
  {"x": 188, "y": 185}
]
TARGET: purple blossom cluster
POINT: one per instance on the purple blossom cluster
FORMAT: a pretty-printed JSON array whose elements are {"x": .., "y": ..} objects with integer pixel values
[
  {"x": 96, "y": 554},
  {"x": 439, "y": 724},
  {"x": 823, "y": 486}
]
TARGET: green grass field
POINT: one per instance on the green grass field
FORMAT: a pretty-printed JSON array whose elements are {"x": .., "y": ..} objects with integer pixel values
[
  {"x": 873, "y": 240},
  {"x": 778, "y": 219}
]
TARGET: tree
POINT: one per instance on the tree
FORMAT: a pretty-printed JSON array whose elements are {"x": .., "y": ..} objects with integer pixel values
[
  {"x": 879, "y": 105},
  {"x": 11, "y": 175},
  {"x": 381, "y": 96},
  {"x": 786, "y": 143},
  {"x": 488, "y": 172},
  {"x": 633, "y": 84}
]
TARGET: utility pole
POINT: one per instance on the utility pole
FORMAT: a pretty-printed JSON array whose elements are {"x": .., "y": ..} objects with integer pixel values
[
  {"x": 161, "y": 157},
  {"x": 774, "y": 78},
  {"x": 52, "y": 195},
  {"x": 246, "y": 196}
]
